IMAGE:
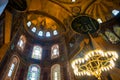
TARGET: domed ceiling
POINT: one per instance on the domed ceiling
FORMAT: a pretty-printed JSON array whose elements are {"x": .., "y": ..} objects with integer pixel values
[
  {"x": 63, "y": 9},
  {"x": 102, "y": 9},
  {"x": 42, "y": 25},
  {"x": 95, "y": 8}
]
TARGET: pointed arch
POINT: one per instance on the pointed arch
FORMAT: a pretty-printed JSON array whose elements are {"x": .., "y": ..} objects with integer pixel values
[
  {"x": 55, "y": 72},
  {"x": 37, "y": 52},
  {"x": 54, "y": 51},
  {"x": 33, "y": 72},
  {"x": 12, "y": 68},
  {"x": 21, "y": 43}
]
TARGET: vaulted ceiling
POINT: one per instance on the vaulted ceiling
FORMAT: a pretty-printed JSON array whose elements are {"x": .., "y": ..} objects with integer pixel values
[{"x": 63, "y": 10}]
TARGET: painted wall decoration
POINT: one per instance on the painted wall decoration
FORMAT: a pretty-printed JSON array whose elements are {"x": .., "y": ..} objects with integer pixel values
[{"x": 84, "y": 24}]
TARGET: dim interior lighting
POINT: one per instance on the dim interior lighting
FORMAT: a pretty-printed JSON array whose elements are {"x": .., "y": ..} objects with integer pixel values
[{"x": 94, "y": 63}]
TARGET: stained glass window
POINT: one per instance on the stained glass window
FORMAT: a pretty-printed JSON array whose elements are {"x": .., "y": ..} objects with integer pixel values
[
  {"x": 117, "y": 30},
  {"x": 37, "y": 52},
  {"x": 55, "y": 72},
  {"x": 112, "y": 38},
  {"x": 33, "y": 72},
  {"x": 21, "y": 42},
  {"x": 12, "y": 68},
  {"x": 54, "y": 51}
]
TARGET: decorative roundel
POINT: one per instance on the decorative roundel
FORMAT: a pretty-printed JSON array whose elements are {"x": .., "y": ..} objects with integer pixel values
[
  {"x": 76, "y": 9},
  {"x": 84, "y": 24}
]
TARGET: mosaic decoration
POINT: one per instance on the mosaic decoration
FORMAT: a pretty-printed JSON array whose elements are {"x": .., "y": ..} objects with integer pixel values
[{"x": 84, "y": 25}]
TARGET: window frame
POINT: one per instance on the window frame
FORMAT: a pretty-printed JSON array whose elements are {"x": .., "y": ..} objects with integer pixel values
[
  {"x": 53, "y": 56},
  {"x": 14, "y": 60},
  {"x": 33, "y": 52},
  {"x": 29, "y": 74},
  {"x": 56, "y": 68},
  {"x": 23, "y": 39}
]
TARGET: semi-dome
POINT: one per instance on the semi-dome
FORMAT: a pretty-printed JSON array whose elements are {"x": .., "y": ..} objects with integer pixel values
[{"x": 42, "y": 25}]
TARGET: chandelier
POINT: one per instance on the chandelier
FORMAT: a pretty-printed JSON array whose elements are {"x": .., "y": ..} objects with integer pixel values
[
  {"x": 94, "y": 63},
  {"x": 96, "y": 60}
]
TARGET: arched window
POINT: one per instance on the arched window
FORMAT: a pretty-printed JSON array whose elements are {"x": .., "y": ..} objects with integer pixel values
[
  {"x": 54, "y": 51},
  {"x": 112, "y": 38},
  {"x": 115, "y": 12},
  {"x": 48, "y": 34},
  {"x": 99, "y": 20},
  {"x": 29, "y": 23},
  {"x": 33, "y": 29},
  {"x": 21, "y": 42},
  {"x": 33, "y": 72},
  {"x": 117, "y": 30},
  {"x": 12, "y": 68},
  {"x": 55, "y": 32},
  {"x": 55, "y": 72},
  {"x": 40, "y": 33},
  {"x": 37, "y": 52}
]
